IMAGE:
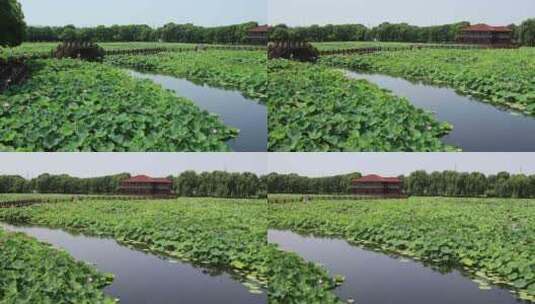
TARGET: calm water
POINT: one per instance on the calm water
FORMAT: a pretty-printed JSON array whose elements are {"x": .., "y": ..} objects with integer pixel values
[
  {"x": 374, "y": 278},
  {"x": 249, "y": 116},
  {"x": 477, "y": 126},
  {"x": 142, "y": 278}
]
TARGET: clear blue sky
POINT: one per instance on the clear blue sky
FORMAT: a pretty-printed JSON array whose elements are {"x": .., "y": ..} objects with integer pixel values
[
  {"x": 418, "y": 12},
  {"x": 151, "y": 12}
]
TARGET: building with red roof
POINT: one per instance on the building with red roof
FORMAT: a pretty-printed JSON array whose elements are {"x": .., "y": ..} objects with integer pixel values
[
  {"x": 259, "y": 34},
  {"x": 146, "y": 185},
  {"x": 486, "y": 35},
  {"x": 375, "y": 185}
]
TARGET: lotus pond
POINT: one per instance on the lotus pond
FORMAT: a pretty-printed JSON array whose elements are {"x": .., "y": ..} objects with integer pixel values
[
  {"x": 501, "y": 77},
  {"x": 229, "y": 235},
  {"x": 487, "y": 240},
  {"x": 244, "y": 71},
  {"x": 513, "y": 129},
  {"x": 370, "y": 277},
  {"x": 70, "y": 105},
  {"x": 317, "y": 108},
  {"x": 236, "y": 111},
  {"x": 140, "y": 277}
]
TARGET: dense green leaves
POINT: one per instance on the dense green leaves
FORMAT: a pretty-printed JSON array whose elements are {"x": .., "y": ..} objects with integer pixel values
[
  {"x": 33, "y": 272},
  {"x": 491, "y": 238},
  {"x": 314, "y": 108},
  {"x": 501, "y": 77},
  {"x": 238, "y": 70},
  {"x": 12, "y": 25},
  {"x": 226, "y": 234},
  {"x": 70, "y": 105}
]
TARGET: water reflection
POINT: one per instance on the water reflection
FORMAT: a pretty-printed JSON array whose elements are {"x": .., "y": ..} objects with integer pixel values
[
  {"x": 375, "y": 278},
  {"x": 234, "y": 110},
  {"x": 477, "y": 126},
  {"x": 142, "y": 278}
]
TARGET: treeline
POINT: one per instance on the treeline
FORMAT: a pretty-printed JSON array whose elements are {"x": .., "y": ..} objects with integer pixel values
[
  {"x": 474, "y": 184},
  {"x": 47, "y": 183},
  {"x": 171, "y": 32},
  {"x": 219, "y": 184},
  {"x": 293, "y": 183},
  {"x": 391, "y": 32},
  {"x": 189, "y": 183},
  {"x": 418, "y": 183},
  {"x": 241, "y": 185}
]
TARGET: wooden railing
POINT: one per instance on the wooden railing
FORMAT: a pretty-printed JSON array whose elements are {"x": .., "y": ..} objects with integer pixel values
[
  {"x": 308, "y": 198},
  {"x": 370, "y": 50},
  {"x": 44, "y": 200}
]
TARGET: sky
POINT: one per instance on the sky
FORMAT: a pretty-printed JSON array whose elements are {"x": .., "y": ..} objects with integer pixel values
[
  {"x": 394, "y": 164},
  {"x": 416, "y": 12},
  {"x": 30, "y": 165},
  {"x": 152, "y": 12}
]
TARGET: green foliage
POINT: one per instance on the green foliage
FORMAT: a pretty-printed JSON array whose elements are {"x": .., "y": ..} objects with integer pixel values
[
  {"x": 501, "y": 77},
  {"x": 475, "y": 184},
  {"x": 12, "y": 25},
  {"x": 70, "y": 105},
  {"x": 225, "y": 234},
  {"x": 171, "y": 32},
  {"x": 314, "y": 108},
  {"x": 400, "y": 32},
  {"x": 490, "y": 238},
  {"x": 293, "y": 183},
  {"x": 33, "y": 272},
  {"x": 219, "y": 184},
  {"x": 239, "y": 70},
  {"x": 218, "y": 233},
  {"x": 527, "y": 32},
  {"x": 337, "y": 45}
]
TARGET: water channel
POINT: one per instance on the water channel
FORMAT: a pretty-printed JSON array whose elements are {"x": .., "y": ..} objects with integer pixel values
[
  {"x": 477, "y": 126},
  {"x": 235, "y": 110},
  {"x": 376, "y": 278},
  {"x": 142, "y": 278}
]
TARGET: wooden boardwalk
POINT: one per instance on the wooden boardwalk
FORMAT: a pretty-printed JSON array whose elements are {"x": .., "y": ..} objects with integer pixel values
[
  {"x": 308, "y": 198},
  {"x": 370, "y": 50}
]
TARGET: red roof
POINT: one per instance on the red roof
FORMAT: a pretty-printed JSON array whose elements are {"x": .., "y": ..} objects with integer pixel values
[
  {"x": 486, "y": 28},
  {"x": 373, "y": 178},
  {"x": 148, "y": 179},
  {"x": 261, "y": 29}
]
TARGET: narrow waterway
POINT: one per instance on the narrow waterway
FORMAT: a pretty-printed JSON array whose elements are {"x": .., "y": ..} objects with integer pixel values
[
  {"x": 375, "y": 278},
  {"x": 249, "y": 116},
  {"x": 142, "y": 278},
  {"x": 477, "y": 126}
]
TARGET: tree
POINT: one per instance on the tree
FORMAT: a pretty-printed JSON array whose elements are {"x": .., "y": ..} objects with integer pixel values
[
  {"x": 418, "y": 183},
  {"x": 69, "y": 33},
  {"x": 527, "y": 32},
  {"x": 12, "y": 25}
]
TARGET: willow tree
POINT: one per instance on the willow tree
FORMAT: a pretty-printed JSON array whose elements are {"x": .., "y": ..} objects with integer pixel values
[
  {"x": 12, "y": 26},
  {"x": 527, "y": 32}
]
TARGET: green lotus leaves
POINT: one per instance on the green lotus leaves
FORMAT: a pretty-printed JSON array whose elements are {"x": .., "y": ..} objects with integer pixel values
[
  {"x": 316, "y": 108},
  {"x": 226, "y": 234},
  {"x": 244, "y": 71},
  {"x": 475, "y": 235},
  {"x": 34, "y": 272},
  {"x": 505, "y": 77},
  {"x": 70, "y": 105}
]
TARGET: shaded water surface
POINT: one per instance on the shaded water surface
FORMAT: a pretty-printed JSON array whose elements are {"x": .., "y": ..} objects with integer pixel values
[
  {"x": 477, "y": 126},
  {"x": 249, "y": 116},
  {"x": 142, "y": 278},
  {"x": 375, "y": 278}
]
